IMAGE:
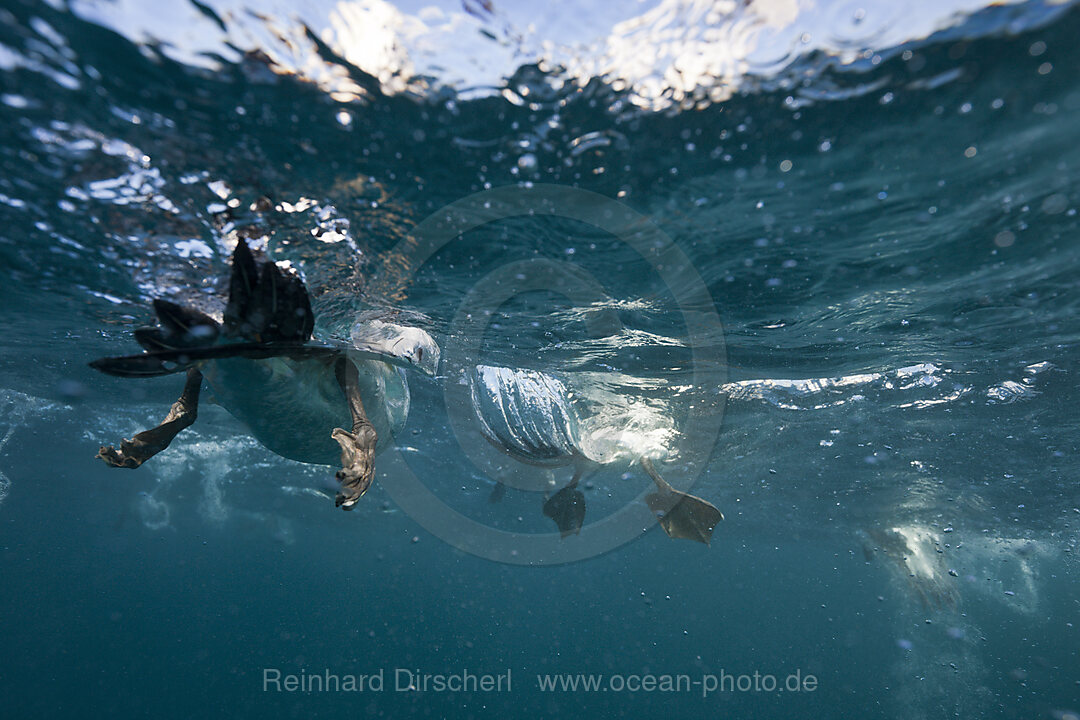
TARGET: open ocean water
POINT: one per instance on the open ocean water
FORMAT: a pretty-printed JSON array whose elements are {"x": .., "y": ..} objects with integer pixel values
[{"x": 819, "y": 259}]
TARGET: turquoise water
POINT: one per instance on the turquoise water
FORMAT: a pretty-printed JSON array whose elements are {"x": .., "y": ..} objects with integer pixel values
[{"x": 830, "y": 284}]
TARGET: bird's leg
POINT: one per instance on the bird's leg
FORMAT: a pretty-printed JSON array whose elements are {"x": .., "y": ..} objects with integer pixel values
[
  {"x": 148, "y": 443},
  {"x": 681, "y": 515},
  {"x": 357, "y": 447},
  {"x": 567, "y": 507}
]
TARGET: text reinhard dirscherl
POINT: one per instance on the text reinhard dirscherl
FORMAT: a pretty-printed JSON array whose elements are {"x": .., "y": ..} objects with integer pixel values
[
  {"x": 414, "y": 680},
  {"x": 404, "y": 680}
]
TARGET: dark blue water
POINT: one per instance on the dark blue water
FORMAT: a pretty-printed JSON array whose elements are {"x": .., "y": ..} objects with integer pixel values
[{"x": 831, "y": 285}]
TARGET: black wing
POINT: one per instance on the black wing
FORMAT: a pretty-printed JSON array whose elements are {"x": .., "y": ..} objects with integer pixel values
[
  {"x": 268, "y": 310},
  {"x": 266, "y": 303},
  {"x": 168, "y": 361}
]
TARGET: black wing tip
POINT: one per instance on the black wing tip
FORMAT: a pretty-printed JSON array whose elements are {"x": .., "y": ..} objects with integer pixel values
[
  {"x": 172, "y": 360},
  {"x": 131, "y": 366},
  {"x": 242, "y": 250}
]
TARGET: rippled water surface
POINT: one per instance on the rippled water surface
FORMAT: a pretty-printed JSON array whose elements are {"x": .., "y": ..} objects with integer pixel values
[{"x": 819, "y": 260}]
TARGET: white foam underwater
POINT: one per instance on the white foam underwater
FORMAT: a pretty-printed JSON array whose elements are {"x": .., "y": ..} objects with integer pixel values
[
  {"x": 919, "y": 385},
  {"x": 16, "y": 409}
]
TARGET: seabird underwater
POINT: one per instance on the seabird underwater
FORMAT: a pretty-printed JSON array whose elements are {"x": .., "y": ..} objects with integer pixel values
[
  {"x": 513, "y": 269},
  {"x": 293, "y": 394}
]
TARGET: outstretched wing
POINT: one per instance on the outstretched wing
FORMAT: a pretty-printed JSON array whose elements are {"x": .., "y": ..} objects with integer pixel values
[
  {"x": 167, "y": 361},
  {"x": 268, "y": 310},
  {"x": 170, "y": 360}
]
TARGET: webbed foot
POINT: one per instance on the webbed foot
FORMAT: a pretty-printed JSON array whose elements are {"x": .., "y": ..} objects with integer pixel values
[
  {"x": 681, "y": 515},
  {"x": 131, "y": 454},
  {"x": 497, "y": 493},
  {"x": 357, "y": 447},
  {"x": 148, "y": 443},
  {"x": 567, "y": 509},
  {"x": 685, "y": 516},
  {"x": 357, "y": 464}
]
